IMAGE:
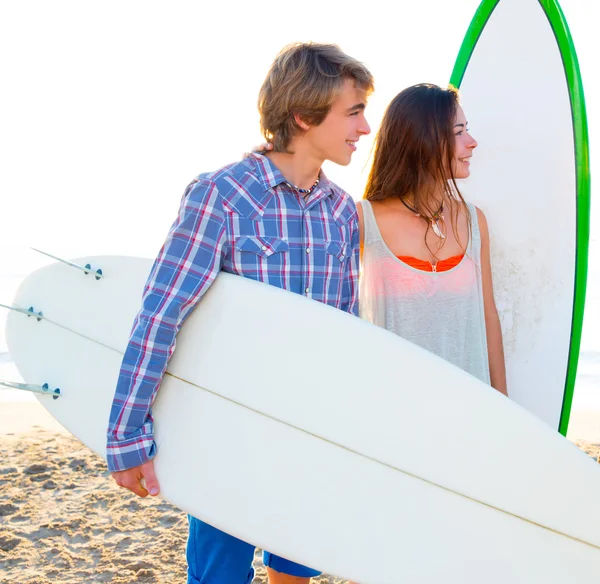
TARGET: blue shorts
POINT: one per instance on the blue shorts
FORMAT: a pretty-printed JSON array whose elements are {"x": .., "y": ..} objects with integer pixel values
[{"x": 214, "y": 557}]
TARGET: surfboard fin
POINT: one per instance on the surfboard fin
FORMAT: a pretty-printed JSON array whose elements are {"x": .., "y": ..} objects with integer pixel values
[
  {"x": 43, "y": 389},
  {"x": 29, "y": 312},
  {"x": 87, "y": 269}
]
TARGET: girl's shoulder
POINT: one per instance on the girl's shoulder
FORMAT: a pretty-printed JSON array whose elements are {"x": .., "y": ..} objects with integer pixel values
[{"x": 472, "y": 211}]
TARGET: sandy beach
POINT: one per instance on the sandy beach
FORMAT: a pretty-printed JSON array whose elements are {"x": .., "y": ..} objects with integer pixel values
[{"x": 64, "y": 521}]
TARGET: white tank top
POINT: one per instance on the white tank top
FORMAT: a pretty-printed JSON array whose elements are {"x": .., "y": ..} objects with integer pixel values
[{"x": 440, "y": 311}]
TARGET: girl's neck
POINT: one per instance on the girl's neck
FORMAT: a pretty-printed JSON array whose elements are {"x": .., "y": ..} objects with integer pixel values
[{"x": 429, "y": 203}]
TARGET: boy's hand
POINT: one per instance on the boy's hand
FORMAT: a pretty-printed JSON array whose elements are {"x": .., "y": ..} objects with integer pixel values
[{"x": 132, "y": 478}]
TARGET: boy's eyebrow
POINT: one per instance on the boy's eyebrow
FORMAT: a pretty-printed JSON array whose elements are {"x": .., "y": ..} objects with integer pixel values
[
  {"x": 357, "y": 107},
  {"x": 459, "y": 125}
]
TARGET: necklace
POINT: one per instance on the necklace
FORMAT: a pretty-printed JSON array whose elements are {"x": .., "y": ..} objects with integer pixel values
[
  {"x": 434, "y": 220},
  {"x": 305, "y": 192}
]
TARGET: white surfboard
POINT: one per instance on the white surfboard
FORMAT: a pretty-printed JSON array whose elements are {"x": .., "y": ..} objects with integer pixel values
[
  {"x": 272, "y": 425},
  {"x": 522, "y": 94}
]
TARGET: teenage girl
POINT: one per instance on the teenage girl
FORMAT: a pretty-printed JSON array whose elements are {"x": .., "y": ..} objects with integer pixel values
[
  {"x": 425, "y": 257},
  {"x": 425, "y": 252}
]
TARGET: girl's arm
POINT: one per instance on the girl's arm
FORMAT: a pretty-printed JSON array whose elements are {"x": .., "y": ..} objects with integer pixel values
[
  {"x": 361, "y": 230},
  {"x": 492, "y": 321}
]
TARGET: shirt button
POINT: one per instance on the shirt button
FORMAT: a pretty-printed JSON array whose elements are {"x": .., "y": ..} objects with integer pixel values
[
  {"x": 307, "y": 290},
  {"x": 308, "y": 250},
  {"x": 264, "y": 248}
]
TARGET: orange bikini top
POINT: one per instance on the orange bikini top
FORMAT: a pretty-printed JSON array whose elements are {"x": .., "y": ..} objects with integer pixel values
[{"x": 424, "y": 265}]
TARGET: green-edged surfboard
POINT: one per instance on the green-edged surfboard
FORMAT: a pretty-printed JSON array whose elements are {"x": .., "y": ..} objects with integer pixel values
[{"x": 522, "y": 93}]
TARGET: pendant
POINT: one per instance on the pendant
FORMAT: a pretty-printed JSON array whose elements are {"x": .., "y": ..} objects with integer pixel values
[{"x": 436, "y": 228}]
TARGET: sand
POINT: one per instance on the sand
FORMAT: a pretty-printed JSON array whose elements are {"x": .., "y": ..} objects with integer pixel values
[{"x": 64, "y": 521}]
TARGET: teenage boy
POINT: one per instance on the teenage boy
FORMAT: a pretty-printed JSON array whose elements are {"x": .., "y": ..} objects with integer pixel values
[{"x": 274, "y": 218}]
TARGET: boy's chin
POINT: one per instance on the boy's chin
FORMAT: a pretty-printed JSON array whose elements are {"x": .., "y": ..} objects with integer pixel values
[{"x": 341, "y": 161}]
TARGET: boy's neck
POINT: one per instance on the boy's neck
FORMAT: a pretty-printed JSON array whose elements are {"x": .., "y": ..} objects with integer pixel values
[{"x": 299, "y": 169}]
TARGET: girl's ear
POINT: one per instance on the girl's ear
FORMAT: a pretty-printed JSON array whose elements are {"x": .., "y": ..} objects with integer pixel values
[{"x": 301, "y": 123}]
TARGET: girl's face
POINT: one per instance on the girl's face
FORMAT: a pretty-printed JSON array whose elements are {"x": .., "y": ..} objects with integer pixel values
[{"x": 464, "y": 144}]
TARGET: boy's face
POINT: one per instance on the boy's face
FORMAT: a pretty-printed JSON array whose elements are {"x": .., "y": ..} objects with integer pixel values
[{"x": 336, "y": 137}]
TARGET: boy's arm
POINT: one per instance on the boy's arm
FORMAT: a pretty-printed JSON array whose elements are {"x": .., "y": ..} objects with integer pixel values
[
  {"x": 350, "y": 289},
  {"x": 186, "y": 266}
]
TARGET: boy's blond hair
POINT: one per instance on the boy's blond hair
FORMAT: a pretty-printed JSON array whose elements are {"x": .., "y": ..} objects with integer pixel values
[{"x": 304, "y": 80}]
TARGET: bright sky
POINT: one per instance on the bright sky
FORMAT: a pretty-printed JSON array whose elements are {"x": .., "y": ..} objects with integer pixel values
[{"x": 110, "y": 108}]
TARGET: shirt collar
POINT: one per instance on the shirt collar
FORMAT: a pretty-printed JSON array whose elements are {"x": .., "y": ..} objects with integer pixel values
[{"x": 270, "y": 176}]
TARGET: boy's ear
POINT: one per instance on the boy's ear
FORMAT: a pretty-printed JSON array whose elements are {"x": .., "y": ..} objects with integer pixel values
[{"x": 301, "y": 123}]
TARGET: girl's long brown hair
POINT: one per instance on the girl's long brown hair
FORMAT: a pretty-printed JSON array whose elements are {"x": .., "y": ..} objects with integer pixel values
[{"x": 413, "y": 152}]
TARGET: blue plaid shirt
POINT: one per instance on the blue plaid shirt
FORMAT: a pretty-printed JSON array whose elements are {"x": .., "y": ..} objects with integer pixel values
[{"x": 243, "y": 219}]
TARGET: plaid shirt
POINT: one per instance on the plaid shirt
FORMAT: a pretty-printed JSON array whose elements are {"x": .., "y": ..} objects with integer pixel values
[{"x": 243, "y": 219}]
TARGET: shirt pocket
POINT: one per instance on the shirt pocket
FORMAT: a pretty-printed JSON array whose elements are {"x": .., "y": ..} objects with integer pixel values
[
  {"x": 262, "y": 246},
  {"x": 337, "y": 249}
]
